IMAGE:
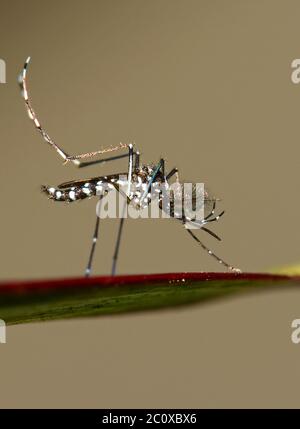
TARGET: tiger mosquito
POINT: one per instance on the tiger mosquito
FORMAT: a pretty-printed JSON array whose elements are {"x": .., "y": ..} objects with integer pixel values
[{"x": 147, "y": 174}]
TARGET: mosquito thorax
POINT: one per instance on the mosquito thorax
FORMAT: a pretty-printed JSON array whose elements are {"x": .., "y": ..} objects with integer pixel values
[{"x": 144, "y": 172}]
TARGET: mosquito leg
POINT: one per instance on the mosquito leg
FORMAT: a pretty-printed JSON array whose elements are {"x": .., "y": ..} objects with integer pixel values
[
  {"x": 121, "y": 224},
  {"x": 210, "y": 252},
  {"x": 75, "y": 159},
  {"x": 117, "y": 247},
  {"x": 213, "y": 234},
  {"x": 214, "y": 219},
  {"x": 212, "y": 212},
  {"x": 101, "y": 161},
  {"x": 137, "y": 160},
  {"x": 162, "y": 161},
  {"x": 206, "y": 220},
  {"x": 88, "y": 269},
  {"x": 32, "y": 115},
  {"x": 171, "y": 174},
  {"x": 112, "y": 158},
  {"x": 200, "y": 225},
  {"x": 130, "y": 168}
]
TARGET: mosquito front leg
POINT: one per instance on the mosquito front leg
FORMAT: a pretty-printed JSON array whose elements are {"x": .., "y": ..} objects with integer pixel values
[{"x": 211, "y": 253}]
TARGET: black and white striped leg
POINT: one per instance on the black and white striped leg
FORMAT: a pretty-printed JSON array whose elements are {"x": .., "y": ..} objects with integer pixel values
[
  {"x": 209, "y": 220},
  {"x": 211, "y": 253},
  {"x": 32, "y": 115},
  {"x": 121, "y": 224},
  {"x": 88, "y": 269},
  {"x": 75, "y": 159},
  {"x": 212, "y": 211}
]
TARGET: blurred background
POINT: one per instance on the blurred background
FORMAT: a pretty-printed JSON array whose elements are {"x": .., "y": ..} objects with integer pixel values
[{"x": 207, "y": 85}]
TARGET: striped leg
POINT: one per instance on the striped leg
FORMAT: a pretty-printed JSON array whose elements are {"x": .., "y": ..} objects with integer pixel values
[
  {"x": 88, "y": 269},
  {"x": 210, "y": 252},
  {"x": 121, "y": 224},
  {"x": 75, "y": 159}
]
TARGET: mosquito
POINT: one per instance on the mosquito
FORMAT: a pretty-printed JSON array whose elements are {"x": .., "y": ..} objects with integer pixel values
[{"x": 140, "y": 179}]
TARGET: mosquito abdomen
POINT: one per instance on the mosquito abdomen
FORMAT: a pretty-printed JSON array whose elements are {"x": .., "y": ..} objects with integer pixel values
[{"x": 73, "y": 193}]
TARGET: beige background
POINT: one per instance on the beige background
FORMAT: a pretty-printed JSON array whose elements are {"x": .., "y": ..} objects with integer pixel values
[{"x": 206, "y": 84}]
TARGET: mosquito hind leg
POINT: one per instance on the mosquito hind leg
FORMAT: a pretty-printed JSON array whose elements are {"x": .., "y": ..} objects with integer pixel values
[
  {"x": 32, "y": 115},
  {"x": 75, "y": 159},
  {"x": 112, "y": 158}
]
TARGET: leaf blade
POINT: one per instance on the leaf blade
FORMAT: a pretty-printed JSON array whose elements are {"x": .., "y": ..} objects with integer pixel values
[{"x": 23, "y": 302}]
